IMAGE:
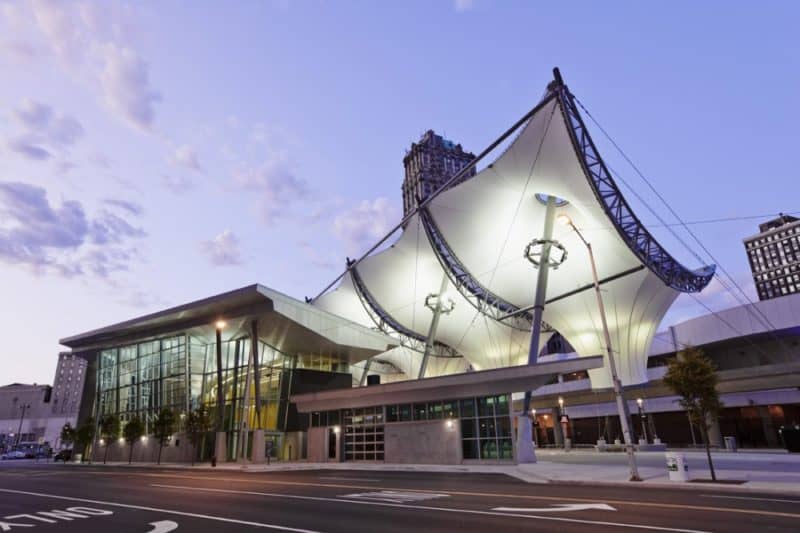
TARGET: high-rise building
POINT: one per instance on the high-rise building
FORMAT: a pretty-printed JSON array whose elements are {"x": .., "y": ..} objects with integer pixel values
[
  {"x": 774, "y": 255},
  {"x": 429, "y": 163},
  {"x": 68, "y": 385}
]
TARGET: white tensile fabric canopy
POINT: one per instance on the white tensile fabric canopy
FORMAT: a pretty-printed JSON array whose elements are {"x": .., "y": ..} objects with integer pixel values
[{"x": 488, "y": 220}]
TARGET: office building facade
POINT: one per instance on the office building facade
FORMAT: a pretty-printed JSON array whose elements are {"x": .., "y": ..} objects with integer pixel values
[
  {"x": 430, "y": 163},
  {"x": 774, "y": 257}
]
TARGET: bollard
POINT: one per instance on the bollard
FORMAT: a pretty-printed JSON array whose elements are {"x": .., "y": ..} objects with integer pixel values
[{"x": 213, "y": 460}]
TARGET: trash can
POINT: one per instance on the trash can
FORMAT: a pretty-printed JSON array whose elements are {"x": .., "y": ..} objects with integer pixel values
[
  {"x": 730, "y": 443},
  {"x": 677, "y": 467}
]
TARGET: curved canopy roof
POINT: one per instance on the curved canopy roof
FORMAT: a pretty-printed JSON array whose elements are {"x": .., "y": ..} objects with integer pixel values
[{"x": 474, "y": 234}]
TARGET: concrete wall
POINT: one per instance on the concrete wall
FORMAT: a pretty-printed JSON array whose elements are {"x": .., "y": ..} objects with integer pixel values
[
  {"x": 422, "y": 442},
  {"x": 147, "y": 451},
  {"x": 318, "y": 445}
]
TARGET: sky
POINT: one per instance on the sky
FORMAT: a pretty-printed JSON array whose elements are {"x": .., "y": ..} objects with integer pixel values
[{"x": 154, "y": 153}]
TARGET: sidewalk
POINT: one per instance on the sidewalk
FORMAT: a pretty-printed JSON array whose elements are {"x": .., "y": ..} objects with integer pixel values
[{"x": 760, "y": 472}]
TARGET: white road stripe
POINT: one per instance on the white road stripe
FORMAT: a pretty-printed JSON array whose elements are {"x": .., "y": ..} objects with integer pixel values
[
  {"x": 429, "y": 508},
  {"x": 749, "y": 498},
  {"x": 159, "y": 510},
  {"x": 334, "y": 478}
]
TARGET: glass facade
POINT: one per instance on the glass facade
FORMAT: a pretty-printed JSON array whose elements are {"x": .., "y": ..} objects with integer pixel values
[{"x": 179, "y": 372}]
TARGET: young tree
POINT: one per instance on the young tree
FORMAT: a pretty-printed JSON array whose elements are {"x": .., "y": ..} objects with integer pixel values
[
  {"x": 198, "y": 424},
  {"x": 692, "y": 377},
  {"x": 132, "y": 432},
  {"x": 84, "y": 436},
  {"x": 109, "y": 430},
  {"x": 163, "y": 427},
  {"x": 67, "y": 436}
]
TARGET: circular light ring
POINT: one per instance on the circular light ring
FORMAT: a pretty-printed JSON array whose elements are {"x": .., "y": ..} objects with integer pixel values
[
  {"x": 534, "y": 256},
  {"x": 542, "y": 197}
]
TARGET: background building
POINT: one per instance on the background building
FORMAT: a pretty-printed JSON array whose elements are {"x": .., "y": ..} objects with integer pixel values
[
  {"x": 24, "y": 414},
  {"x": 774, "y": 255},
  {"x": 429, "y": 163}
]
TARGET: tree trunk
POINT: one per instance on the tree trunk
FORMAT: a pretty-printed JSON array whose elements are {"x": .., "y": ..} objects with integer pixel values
[
  {"x": 160, "y": 447},
  {"x": 704, "y": 430},
  {"x": 105, "y": 452},
  {"x": 194, "y": 451},
  {"x": 130, "y": 452}
]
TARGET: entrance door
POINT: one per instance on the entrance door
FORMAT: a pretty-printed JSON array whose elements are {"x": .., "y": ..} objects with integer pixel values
[{"x": 331, "y": 444}]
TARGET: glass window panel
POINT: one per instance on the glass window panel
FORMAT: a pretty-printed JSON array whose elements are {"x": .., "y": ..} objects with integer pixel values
[
  {"x": 468, "y": 429},
  {"x": 468, "y": 407},
  {"x": 488, "y": 449},
  {"x": 486, "y": 406},
  {"x": 405, "y": 412},
  {"x": 420, "y": 411},
  {"x": 469, "y": 449},
  {"x": 435, "y": 410}
]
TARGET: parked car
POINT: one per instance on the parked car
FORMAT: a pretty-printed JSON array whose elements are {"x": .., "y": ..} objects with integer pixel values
[
  {"x": 63, "y": 455},
  {"x": 16, "y": 454}
]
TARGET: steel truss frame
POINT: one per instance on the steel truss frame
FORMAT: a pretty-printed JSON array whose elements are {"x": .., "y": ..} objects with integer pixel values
[
  {"x": 627, "y": 224},
  {"x": 388, "y": 325},
  {"x": 468, "y": 286}
]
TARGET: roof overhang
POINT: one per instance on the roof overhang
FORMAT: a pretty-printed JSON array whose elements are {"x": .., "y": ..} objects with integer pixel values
[
  {"x": 284, "y": 322},
  {"x": 482, "y": 383}
]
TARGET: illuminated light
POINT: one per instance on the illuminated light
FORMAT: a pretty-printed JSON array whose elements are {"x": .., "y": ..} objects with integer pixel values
[
  {"x": 143, "y": 438},
  {"x": 560, "y": 401},
  {"x": 121, "y": 440},
  {"x": 221, "y": 324},
  {"x": 449, "y": 423},
  {"x": 102, "y": 442},
  {"x": 640, "y": 401},
  {"x": 336, "y": 429},
  {"x": 533, "y": 412},
  {"x": 564, "y": 219}
]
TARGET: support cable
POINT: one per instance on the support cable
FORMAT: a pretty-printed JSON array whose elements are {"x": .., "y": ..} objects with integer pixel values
[{"x": 752, "y": 308}]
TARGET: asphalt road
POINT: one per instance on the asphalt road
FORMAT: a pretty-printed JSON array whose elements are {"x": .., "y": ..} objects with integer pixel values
[{"x": 72, "y": 498}]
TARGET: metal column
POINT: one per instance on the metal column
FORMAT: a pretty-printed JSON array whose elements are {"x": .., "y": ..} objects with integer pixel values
[{"x": 437, "y": 313}]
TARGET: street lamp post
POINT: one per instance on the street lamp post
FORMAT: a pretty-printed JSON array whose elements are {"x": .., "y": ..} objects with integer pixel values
[
  {"x": 534, "y": 427},
  {"x": 220, "y": 444},
  {"x": 622, "y": 408},
  {"x": 24, "y": 407},
  {"x": 640, "y": 404}
]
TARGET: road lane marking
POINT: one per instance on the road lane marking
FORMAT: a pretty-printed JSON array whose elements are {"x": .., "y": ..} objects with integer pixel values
[
  {"x": 430, "y": 508},
  {"x": 749, "y": 498},
  {"x": 163, "y": 526},
  {"x": 334, "y": 478},
  {"x": 465, "y": 493},
  {"x": 395, "y": 496},
  {"x": 159, "y": 510},
  {"x": 559, "y": 508},
  {"x": 492, "y": 495}
]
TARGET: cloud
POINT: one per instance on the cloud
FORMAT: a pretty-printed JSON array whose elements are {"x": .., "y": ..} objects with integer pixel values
[
  {"x": 126, "y": 86},
  {"x": 44, "y": 131},
  {"x": 463, "y": 5},
  {"x": 32, "y": 114},
  {"x": 362, "y": 226},
  {"x": 186, "y": 157},
  {"x": 222, "y": 250},
  {"x": 28, "y": 148},
  {"x": 19, "y": 51},
  {"x": 63, "y": 240},
  {"x": 176, "y": 184},
  {"x": 109, "y": 228},
  {"x": 276, "y": 186},
  {"x": 91, "y": 40},
  {"x": 131, "y": 207}
]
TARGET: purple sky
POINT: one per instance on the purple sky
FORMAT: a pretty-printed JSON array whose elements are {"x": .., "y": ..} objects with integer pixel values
[{"x": 152, "y": 153}]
